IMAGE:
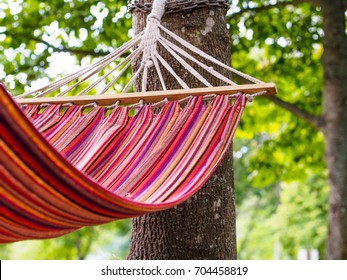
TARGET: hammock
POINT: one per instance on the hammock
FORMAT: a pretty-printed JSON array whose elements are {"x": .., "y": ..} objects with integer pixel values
[{"x": 62, "y": 168}]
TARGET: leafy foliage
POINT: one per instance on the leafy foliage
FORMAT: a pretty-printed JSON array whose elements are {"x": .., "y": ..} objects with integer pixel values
[
  {"x": 110, "y": 241},
  {"x": 32, "y": 32},
  {"x": 286, "y": 208}
]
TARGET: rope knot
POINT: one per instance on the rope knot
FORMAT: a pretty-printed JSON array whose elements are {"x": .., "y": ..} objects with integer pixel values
[
  {"x": 249, "y": 97},
  {"x": 153, "y": 17},
  {"x": 149, "y": 63}
]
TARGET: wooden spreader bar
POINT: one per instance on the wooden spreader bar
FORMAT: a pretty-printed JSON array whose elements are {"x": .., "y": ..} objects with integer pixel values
[{"x": 151, "y": 96}]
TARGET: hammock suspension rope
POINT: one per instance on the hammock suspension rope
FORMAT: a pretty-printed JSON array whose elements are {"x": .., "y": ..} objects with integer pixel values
[{"x": 146, "y": 45}]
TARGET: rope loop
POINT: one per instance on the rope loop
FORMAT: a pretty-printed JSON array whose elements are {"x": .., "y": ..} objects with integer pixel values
[
  {"x": 43, "y": 105},
  {"x": 158, "y": 9},
  {"x": 153, "y": 16},
  {"x": 68, "y": 104},
  {"x": 90, "y": 105},
  {"x": 115, "y": 105},
  {"x": 249, "y": 98}
]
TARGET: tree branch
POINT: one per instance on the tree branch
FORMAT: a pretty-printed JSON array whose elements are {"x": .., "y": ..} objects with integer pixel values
[
  {"x": 314, "y": 120},
  {"x": 312, "y": 2},
  {"x": 60, "y": 48},
  {"x": 272, "y": 6},
  {"x": 259, "y": 9}
]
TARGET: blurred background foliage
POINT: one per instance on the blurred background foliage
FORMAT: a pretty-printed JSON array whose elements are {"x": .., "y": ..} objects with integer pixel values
[{"x": 280, "y": 177}]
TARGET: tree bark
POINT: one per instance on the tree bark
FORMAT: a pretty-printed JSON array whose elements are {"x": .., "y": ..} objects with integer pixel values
[
  {"x": 204, "y": 226},
  {"x": 335, "y": 123}
]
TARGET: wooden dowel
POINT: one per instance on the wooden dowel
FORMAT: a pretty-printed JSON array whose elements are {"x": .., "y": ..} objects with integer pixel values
[{"x": 151, "y": 96}]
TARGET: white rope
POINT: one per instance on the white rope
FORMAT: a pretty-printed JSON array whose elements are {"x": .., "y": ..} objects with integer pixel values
[
  {"x": 186, "y": 65},
  {"x": 113, "y": 106},
  {"x": 172, "y": 72},
  {"x": 144, "y": 78},
  {"x": 160, "y": 75},
  {"x": 132, "y": 80},
  {"x": 98, "y": 81},
  {"x": 90, "y": 105},
  {"x": 250, "y": 97},
  {"x": 160, "y": 103},
  {"x": 150, "y": 38},
  {"x": 114, "y": 80},
  {"x": 208, "y": 57},
  {"x": 202, "y": 65},
  {"x": 102, "y": 63},
  {"x": 68, "y": 104},
  {"x": 146, "y": 44},
  {"x": 158, "y": 9}
]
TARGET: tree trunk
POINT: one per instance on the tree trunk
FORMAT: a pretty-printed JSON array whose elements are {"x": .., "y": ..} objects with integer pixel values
[
  {"x": 204, "y": 226},
  {"x": 335, "y": 129}
]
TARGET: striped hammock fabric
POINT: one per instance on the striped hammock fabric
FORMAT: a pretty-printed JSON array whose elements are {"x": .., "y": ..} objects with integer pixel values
[{"x": 62, "y": 168}]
